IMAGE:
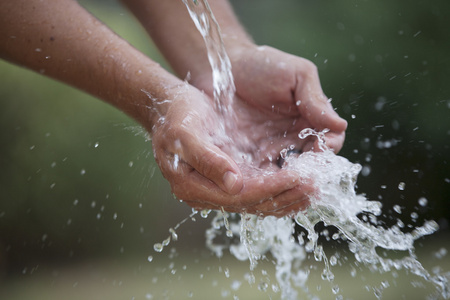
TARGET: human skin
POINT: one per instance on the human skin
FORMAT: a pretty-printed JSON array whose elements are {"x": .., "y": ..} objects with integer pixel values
[{"x": 62, "y": 40}]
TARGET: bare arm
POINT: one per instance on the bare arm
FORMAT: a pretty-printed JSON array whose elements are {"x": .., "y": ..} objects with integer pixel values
[
  {"x": 173, "y": 31},
  {"x": 62, "y": 40},
  {"x": 266, "y": 79}
]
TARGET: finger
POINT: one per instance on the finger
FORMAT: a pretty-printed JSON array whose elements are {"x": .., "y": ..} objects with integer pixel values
[
  {"x": 315, "y": 106},
  {"x": 214, "y": 164},
  {"x": 334, "y": 140},
  {"x": 256, "y": 190},
  {"x": 290, "y": 201},
  {"x": 287, "y": 203}
]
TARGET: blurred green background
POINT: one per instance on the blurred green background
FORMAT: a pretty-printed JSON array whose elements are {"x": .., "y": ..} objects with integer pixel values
[{"x": 79, "y": 186}]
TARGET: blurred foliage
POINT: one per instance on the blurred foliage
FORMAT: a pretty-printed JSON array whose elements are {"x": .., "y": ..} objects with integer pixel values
[{"x": 78, "y": 179}]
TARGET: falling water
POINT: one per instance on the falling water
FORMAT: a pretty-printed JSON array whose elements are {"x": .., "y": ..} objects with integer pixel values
[
  {"x": 334, "y": 204},
  {"x": 223, "y": 83}
]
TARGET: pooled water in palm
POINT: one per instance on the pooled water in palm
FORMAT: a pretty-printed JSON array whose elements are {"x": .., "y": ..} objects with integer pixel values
[{"x": 335, "y": 204}]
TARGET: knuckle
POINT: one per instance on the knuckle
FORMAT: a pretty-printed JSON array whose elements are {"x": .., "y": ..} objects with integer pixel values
[
  {"x": 310, "y": 67},
  {"x": 206, "y": 164}
]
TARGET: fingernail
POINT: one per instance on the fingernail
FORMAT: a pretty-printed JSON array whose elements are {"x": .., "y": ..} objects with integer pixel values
[{"x": 229, "y": 181}]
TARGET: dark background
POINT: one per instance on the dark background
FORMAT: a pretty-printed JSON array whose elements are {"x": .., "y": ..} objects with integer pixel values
[{"x": 78, "y": 180}]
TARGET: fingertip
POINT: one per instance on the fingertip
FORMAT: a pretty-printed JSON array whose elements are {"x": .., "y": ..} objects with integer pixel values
[
  {"x": 232, "y": 182},
  {"x": 341, "y": 124},
  {"x": 333, "y": 122}
]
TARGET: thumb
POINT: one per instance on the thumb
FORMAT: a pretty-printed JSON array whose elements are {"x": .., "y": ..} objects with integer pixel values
[
  {"x": 316, "y": 107},
  {"x": 214, "y": 164}
]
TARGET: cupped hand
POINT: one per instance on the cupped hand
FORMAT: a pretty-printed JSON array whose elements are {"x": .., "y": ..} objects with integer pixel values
[
  {"x": 195, "y": 156},
  {"x": 278, "y": 96}
]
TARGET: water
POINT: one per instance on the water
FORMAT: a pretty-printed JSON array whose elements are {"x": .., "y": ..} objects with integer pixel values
[
  {"x": 223, "y": 83},
  {"x": 335, "y": 204}
]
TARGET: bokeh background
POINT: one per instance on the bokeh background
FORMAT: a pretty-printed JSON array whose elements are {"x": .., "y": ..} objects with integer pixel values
[{"x": 80, "y": 192}]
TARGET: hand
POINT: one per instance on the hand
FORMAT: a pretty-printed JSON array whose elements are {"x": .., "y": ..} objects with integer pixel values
[
  {"x": 189, "y": 143},
  {"x": 277, "y": 96},
  {"x": 280, "y": 94}
]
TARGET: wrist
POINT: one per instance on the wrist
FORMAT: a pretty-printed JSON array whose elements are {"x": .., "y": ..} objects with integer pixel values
[{"x": 150, "y": 95}]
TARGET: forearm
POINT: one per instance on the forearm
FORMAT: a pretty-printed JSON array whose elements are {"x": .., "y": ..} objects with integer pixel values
[
  {"x": 173, "y": 31},
  {"x": 62, "y": 40}
]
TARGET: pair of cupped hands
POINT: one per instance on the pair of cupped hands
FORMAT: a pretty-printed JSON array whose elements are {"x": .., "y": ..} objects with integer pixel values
[{"x": 233, "y": 164}]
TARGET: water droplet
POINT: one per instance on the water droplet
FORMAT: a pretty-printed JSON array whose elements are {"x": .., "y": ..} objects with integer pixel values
[
  {"x": 365, "y": 171},
  {"x": 96, "y": 145},
  {"x": 335, "y": 289},
  {"x": 441, "y": 253},
  {"x": 298, "y": 102},
  {"x": 150, "y": 258},
  {"x": 333, "y": 260},
  {"x": 204, "y": 213},
  {"x": 353, "y": 117},
  {"x": 176, "y": 160},
  {"x": 262, "y": 286},
  {"x": 174, "y": 234},
  {"x": 158, "y": 247},
  {"x": 423, "y": 201},
  {"x": 83, "y": 171},
  {"x": 166, "y": 241},
  {"x": 235, "y": 285},
  {"x": 130, "y": 164},
  {"x": 397, "y": 209},
  {"x": 401, "y": 186}
]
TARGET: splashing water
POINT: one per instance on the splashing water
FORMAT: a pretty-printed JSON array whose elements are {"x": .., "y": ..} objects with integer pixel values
[{"x": 335, "y": 203}]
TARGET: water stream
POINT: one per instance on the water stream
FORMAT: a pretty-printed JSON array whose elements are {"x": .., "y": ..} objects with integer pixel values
[
  {"x": 336, "y": 204},
  {"x": 223, "y": 83}
]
